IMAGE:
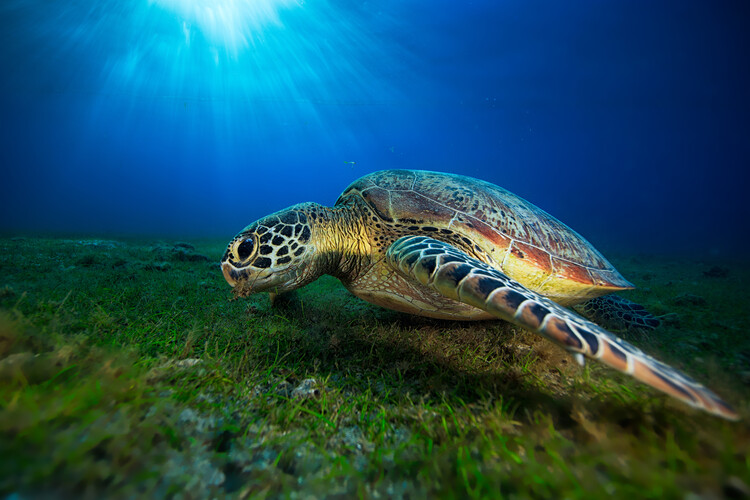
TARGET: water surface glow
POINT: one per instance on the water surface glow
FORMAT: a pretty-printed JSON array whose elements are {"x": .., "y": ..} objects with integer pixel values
[
  {"x": 234, "y": 24},
  {"x": 198, "y": 116}
]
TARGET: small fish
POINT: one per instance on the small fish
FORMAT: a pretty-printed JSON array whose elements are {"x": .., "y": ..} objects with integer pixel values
[{"x": 350, "y": 162}]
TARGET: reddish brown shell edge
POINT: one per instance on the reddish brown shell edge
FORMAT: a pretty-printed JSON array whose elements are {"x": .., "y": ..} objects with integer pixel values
[{"x": 488, "y": 212}]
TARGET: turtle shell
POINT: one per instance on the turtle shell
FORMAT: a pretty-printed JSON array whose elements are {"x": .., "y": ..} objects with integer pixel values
[{"x": 509, "y": 233}]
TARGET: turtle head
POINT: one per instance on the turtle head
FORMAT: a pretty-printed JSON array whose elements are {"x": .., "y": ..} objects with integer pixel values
[{"x": 273, "y": 254}]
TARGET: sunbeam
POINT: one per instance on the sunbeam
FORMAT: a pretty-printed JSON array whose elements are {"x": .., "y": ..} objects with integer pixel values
[{"x": 232, "y": 24}]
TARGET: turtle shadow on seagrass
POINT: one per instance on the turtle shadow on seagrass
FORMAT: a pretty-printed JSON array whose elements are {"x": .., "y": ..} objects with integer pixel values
[{"x": 453, "y": 247}]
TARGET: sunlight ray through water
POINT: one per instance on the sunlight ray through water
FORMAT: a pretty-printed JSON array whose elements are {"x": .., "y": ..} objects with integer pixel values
[{"x": 234, "y": 24}]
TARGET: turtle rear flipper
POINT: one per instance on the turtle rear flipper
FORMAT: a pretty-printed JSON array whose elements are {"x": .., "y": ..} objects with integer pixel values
[
  {"x": 456, "y": 275},
  {"x": 618, "y": 314}
]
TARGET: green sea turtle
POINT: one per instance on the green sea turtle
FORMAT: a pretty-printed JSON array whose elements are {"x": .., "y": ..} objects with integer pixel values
[{"x": 453, "y": 247}]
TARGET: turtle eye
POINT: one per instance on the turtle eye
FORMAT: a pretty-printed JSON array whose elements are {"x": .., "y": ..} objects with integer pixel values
[{"x": 245, "y": 249}]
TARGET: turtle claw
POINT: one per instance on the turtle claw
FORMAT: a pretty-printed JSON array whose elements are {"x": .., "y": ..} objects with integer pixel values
[{"x": 580, "y": 359}]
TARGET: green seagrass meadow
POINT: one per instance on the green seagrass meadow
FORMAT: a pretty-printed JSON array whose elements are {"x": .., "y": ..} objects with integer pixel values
[{"x": 128, "y": 370}]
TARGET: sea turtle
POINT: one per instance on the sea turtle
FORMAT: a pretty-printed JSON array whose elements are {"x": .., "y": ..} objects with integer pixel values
[{"x": 453, "y": 247}]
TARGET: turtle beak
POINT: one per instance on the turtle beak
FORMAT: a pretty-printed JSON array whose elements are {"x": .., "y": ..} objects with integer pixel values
[{"x": 226, "y": 270}]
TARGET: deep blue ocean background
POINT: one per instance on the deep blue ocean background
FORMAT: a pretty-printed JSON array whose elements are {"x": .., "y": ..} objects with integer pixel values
[{"x": 627, "y": 120}]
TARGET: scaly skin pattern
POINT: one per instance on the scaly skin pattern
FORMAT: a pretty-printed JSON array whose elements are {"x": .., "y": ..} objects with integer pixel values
[
  {"x": 618, "y": 314},
  {"x": 493, "y": 225},
  {"x": 451, "y": 247},
  {"x": 454, "y": 274},
  {"x": 293, "y": 247}
]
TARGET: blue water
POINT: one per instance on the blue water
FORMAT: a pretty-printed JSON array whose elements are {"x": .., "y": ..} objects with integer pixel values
[{"x": 628, "y": 120}]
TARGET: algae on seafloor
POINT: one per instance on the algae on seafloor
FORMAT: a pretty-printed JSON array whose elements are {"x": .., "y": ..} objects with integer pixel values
[{"x": 126, "y": 370}]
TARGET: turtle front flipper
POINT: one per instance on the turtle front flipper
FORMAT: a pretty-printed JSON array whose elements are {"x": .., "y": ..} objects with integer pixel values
[{"x": 455, "y": 275}]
